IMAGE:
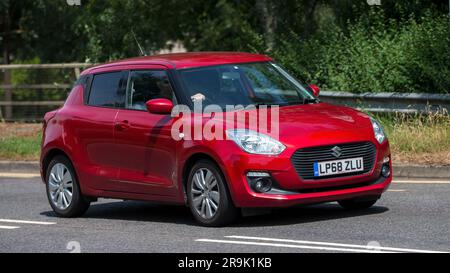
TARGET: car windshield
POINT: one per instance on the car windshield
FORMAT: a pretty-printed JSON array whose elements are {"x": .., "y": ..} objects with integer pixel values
[{"x": 263, "y": 83}]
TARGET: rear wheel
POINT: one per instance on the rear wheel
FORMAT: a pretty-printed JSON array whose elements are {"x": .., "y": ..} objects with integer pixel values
[
  {"x": 63, "y": 190},
  {"x": 354, "y": 204},
  {"x": 208, "y": 196}
]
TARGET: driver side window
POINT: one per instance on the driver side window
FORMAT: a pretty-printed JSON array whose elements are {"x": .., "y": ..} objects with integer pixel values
[{"x": 147, "y": 85}]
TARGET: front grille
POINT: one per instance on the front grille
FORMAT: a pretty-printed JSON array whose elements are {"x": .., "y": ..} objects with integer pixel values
[{"x": 303, "y": 159}]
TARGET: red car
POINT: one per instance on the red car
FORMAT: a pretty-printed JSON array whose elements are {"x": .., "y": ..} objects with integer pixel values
[{"x": 113, "y": 138}]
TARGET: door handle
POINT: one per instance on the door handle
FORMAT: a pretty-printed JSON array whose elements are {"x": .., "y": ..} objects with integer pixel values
[{"x": 122, "y": 125}]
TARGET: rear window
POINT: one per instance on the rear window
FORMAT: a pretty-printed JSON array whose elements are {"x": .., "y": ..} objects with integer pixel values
[{"x": 108, "y": 90}]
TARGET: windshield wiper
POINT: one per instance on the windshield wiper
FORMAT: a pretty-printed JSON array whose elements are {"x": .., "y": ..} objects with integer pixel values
[
  {"x": 310, "y": 100},
  {"x": 258, "y": 104},
  {"x": 304, "y": 101}
]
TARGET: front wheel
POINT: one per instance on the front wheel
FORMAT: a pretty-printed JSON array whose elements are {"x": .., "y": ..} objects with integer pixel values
[
  {"x": 353, "y": 204},
  {"x": 208, "y": 196},
  {"x": 63, "y": 190}
]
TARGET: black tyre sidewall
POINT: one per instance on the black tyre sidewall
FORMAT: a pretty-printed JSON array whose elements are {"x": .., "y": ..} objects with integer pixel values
[
  {"x": 79, "y": 204},
  {"x": 227, "y": 212}
]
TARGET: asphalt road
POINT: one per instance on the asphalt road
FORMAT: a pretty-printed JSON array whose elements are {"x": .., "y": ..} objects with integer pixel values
[{"x": 410, "y": 217}]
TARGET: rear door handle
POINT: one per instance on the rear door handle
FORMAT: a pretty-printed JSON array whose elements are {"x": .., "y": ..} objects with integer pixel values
[{"x": 122, "y": 125}]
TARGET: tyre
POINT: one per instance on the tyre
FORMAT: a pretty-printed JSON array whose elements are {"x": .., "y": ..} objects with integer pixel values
[
  {"x": 63, "y": 189},
  {"x": 208, "y": 195},
  {"x": 354, "y": 204}
]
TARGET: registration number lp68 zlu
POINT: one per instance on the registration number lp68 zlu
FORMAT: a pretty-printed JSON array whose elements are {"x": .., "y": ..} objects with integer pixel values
[{"x": 341, "y": 166}]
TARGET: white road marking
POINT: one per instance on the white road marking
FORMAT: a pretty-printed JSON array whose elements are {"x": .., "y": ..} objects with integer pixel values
[
  {"x": 26, "y": 222},
  {"x": 8, "y": 227},
  {"x": 396, "y": 190},
  {"x": 392, "y": 249},
  {"x": 20, "y": 175},
  {"x": 289, "y": 246},
  {"x": 421, "y": 182}
]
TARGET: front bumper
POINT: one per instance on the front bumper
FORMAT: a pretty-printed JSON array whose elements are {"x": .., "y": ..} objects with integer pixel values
[
  {"x": 294, "y": 190},
  {"x": 375, "y": 189}
]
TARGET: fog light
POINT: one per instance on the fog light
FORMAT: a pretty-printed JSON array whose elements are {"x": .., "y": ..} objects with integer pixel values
[
  {"x": 386, "y": 171},
  {"x": 386, "y": 159},
  {"x": 262, "y": 184}
]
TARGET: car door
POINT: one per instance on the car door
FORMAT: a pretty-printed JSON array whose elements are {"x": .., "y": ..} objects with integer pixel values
[
  {"x": 146, "y": 152},
  {"x": 95, "y": 127}
]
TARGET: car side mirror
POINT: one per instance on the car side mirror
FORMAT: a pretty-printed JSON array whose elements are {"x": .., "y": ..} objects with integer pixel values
[
  {"x": 315, "y": 89},
  {"x": 159, "y": 106}
]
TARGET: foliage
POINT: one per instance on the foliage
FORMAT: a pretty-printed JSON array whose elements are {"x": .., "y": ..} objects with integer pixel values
[
  {"x": 372, "y": 55},
  {"x": 345, "y": 45},
  {"x": 94, "y": 31},
  {"x": 419, "y": 139},
  {"x": 20, "y": 148},
  {"x": 20, "y": 141}
]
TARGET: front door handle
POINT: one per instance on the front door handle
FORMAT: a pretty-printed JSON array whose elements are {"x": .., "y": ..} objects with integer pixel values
[{"x": 122, "y": 125}]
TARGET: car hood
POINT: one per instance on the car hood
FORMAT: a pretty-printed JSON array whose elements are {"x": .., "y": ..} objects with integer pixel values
[
  {"x": 320, "y": 117},
  {"x": 322, "y": 124},
  {"x": 315, "y": 125}
]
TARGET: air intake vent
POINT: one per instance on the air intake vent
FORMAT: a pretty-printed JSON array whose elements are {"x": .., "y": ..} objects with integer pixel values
[{"x": 303, "y": 159}]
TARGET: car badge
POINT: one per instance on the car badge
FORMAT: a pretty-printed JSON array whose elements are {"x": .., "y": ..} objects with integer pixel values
[{"x": 336, "y": 151}]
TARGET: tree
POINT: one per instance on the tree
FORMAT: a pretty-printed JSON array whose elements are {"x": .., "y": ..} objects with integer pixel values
[{"x": 10, "y": 16}]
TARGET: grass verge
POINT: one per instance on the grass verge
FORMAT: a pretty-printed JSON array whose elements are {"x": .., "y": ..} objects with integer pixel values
[
  {"x": 420, "y": 139},
  {"x": 20, "y": 141}
]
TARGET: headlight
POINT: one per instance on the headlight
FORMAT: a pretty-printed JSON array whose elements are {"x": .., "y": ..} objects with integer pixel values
[
  {"x": 378, "y": 131},
  {"x": 255, "y": 143}
]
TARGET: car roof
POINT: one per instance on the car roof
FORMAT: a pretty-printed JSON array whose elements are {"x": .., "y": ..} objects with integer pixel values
[{"x": 184, "y": 60}]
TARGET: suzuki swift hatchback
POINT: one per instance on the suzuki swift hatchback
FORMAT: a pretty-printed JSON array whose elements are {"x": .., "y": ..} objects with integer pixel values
[{"x": 114, "y": 138}]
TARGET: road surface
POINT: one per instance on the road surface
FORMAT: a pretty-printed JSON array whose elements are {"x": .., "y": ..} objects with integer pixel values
[{"x": 413, "y": 216}]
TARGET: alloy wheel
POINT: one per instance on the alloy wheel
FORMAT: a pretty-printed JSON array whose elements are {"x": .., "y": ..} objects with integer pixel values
[
  {"x": 205, "y": 193},
  {"x": 60, "y": 185}
]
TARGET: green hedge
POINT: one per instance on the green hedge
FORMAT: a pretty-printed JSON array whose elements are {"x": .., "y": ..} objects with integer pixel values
[{"x": 374, "y": 54}]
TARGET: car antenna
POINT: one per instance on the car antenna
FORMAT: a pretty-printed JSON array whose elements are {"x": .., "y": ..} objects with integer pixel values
[{"x": 138, "y": 44}]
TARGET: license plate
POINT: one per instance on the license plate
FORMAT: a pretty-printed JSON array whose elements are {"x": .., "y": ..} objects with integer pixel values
[{"x": 341, "y": 166}]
